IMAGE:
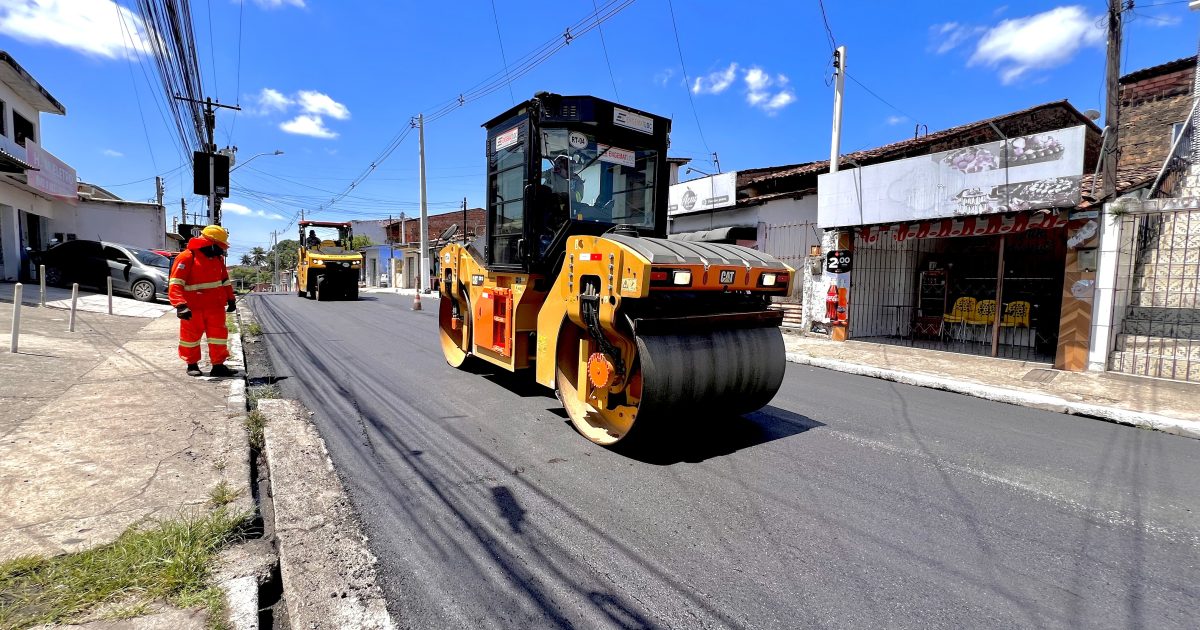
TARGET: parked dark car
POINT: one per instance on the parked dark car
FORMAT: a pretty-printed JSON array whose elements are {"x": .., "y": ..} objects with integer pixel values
[{"x": 138, "y": 272}]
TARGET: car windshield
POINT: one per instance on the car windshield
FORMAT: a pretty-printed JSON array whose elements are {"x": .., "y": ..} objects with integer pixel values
[
  {"x": 147, "y": 257},
  {"x": 605, "y": 184}
]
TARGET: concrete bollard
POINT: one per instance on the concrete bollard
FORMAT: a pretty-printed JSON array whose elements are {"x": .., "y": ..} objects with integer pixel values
[
  {"x": 74, "y": 298},
  {"x": 42, "y": 282},
  {"x": 16, "y": 316},
  {"x": 110, "y": 295}
]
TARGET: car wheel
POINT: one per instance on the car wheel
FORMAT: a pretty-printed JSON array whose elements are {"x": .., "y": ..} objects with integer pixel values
[
  {"x": 54, "y": 276},
  {"x": 143, "y": 291}
]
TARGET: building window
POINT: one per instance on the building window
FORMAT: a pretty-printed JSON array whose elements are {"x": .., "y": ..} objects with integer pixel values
[
  {"x": 1176, "y": 129},
  {"x": 3, "y": 118},
  {"x": 22, "y": 129}
]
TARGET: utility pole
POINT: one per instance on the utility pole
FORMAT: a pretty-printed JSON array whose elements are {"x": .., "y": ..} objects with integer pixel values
[
  {"x": 424, "y": 209},
  {"x": 183, "y": 209},
  {"x": 275, "y": 258},
  {"x": 464, "y": 230},
  {"x": 1111, "y": 103},
  {"x": 159, "y": 191},
  {"x": 210, "y": 124},
  {"x": 839, "y": 86}
]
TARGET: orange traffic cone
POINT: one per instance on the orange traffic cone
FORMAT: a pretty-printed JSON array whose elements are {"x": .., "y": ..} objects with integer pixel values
[{"x": 417, "y": 301}]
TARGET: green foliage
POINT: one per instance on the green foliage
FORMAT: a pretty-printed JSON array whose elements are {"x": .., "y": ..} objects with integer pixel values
[
  {"x": 256, "y": 423},
  {"x": 359, "y": 242},
  {"x": 171, "y": 561},
  {"x": 222, "y": 495}
]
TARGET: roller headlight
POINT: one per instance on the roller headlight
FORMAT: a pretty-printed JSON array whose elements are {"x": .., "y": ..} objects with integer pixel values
[{"x": 681, "y": 278}]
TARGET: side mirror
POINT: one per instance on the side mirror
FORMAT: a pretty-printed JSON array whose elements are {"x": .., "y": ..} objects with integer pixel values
[{"x": 124, "y": 261}]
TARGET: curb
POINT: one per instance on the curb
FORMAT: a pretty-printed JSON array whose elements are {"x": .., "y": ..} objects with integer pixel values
[
  {"x": 1048, "y": 402},
  {"x": 240, "y": 588},
  {"x": 328, "y": 572}
]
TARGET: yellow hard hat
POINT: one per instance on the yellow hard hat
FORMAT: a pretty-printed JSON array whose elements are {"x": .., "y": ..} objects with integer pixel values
[{"x": 216, "y": 233}]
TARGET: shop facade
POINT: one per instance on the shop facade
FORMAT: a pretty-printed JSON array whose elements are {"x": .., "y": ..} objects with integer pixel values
[{"x": 979, "y": 249}]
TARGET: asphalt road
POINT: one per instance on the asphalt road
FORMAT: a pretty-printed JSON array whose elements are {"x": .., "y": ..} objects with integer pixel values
[{"x": 848, "y": 502}]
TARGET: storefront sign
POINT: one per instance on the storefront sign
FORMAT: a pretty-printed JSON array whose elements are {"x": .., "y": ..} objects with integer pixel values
[
  {"x": 968, "y": 226},
  {"x": 630, "y": 120},
  {"x": 706, "y": 193},
  {"x": 53, "y": 176},
  {"x": 838, "y": 261},
  {"x": 508, "y": 138},
  {"x": 1025, "y": 173}
]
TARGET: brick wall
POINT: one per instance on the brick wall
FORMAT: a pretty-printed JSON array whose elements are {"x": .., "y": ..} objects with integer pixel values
[
  {"x": 476, "y": 225},
  {"x": 1149, "y": 106}
]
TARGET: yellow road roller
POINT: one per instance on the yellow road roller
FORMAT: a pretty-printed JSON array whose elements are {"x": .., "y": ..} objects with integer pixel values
[{"x": 575, "y": 277}]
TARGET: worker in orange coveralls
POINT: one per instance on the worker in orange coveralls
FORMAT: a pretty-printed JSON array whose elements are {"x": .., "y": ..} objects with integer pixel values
[{"x": 201, "y": 293}]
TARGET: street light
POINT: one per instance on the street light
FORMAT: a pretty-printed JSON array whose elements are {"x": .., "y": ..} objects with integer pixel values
[
  {"x": 276, "y": 152},
  {"x": 691, "y": 170}
]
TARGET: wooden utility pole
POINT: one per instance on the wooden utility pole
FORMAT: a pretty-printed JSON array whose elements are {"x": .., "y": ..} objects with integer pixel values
[{"x": 1111, "y": 103}]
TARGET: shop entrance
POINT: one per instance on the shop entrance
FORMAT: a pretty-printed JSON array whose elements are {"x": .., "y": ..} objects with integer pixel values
[{"x": 944, "y": 293}]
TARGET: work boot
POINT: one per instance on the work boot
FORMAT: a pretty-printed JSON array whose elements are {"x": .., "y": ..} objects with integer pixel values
[
  {"x": 220, "y": 370},
  {"x": 194, "y": 370}
]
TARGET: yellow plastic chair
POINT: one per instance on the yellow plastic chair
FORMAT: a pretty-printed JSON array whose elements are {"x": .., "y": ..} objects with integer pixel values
[
  {"x": 1016, "y": 314},
  {"x": 962, "y": 310},
  {"x": 984, "y": 314}
]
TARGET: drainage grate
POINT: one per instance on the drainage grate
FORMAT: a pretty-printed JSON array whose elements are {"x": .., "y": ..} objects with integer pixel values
[{"x": 1040, "y": 375}]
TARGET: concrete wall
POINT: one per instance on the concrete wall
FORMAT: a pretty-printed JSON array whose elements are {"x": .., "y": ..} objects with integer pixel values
[
  {"x": 136, "y": 224},
  {"x": 14, "y": 103}
]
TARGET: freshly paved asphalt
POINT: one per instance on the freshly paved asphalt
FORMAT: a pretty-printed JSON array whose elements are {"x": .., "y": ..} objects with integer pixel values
[{"x": 848, "y": 502}]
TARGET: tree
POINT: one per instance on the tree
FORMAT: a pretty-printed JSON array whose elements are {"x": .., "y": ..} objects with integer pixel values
[
  {"x": 359, "y": 242},
  {"x": 247, "y": 260},
  {"x": 258, "y": 256},
  {"x": 287, "y": 250}
]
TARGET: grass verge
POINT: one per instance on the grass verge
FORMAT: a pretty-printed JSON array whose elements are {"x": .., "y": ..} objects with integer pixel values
[
  {"x": 255, "y": 423},
  {"x": 260, "y": 392},
  {"x": 170, "y": 561},
  {"x": 253, "y": 329},
  {"x": 222, "y": 495},
  {"x": 231, "y": 323}
]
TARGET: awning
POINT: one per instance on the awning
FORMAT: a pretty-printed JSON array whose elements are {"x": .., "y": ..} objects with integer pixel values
[
  {"x": 719, "y": 235},
  {"x": 986, "y": 225},
  {"x": 12, "y": 164}
]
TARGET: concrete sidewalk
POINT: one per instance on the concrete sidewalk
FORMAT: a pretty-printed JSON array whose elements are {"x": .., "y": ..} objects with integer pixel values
[
  {"x": 88, "y": 302},
  {"x": 1151, "y": 403},
  {"x": 102, "y": 429}
]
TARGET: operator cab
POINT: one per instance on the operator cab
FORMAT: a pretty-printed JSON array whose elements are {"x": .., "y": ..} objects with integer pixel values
[
  {"x": 322, "y": 237},
  {"x": 564, "y": 165}
]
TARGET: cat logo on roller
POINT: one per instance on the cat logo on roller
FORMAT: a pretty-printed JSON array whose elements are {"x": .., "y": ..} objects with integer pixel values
[{"x": 576, "y": 281}]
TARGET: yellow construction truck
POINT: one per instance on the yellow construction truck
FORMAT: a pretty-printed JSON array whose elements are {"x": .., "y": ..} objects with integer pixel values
[
  {"x": 576, "y": 278},
  {"x": 327, "y": 267}
]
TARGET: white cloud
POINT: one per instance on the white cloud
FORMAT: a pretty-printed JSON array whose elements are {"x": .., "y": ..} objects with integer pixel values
[
  {"x": 92, "y": 27},
  {"x": 275, "y": 4},
  {"x": 240, "y": 210},
  {"x": 715, "y": 82},
  {"x": 759, "y": 84},
  {"x": 308, "y": 125},
  {"x": 1163, "y": 20},
  {"x": 1041, "y": 41},
  {"x": 896, "y": 120},
  {"x": 948, "y": 36},
  {"x": 664, "y": 77},
  {"x": 320, "y": 104},
  {"x": 270, "y": 100},
  {"x": 112, "y": 153}
]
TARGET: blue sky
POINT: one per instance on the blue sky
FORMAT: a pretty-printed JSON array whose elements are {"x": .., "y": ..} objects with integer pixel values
[{"x": 329, "y": 83}]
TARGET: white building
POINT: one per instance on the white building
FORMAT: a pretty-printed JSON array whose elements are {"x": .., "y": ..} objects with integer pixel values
[
  {"x": 41, "y": 199},
  {"x": 28, "y": 194}
]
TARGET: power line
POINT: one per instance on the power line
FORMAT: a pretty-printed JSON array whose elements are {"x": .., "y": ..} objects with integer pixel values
[
  {"x": 604, "y": 46},
  {"x": 237, "y": 97},
  {"x": 524, "y": 65},
  {"x": 881, "y": 99},
  {"x": 828, "y": 31},
  {"x": 503, "y": 57},
  {"x": 687, "y": 83},
  {"x": 212, "y": 55}
]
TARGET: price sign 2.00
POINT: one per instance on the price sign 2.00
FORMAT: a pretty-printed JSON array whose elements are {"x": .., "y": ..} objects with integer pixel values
[{"x": 838, "y": 261}]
